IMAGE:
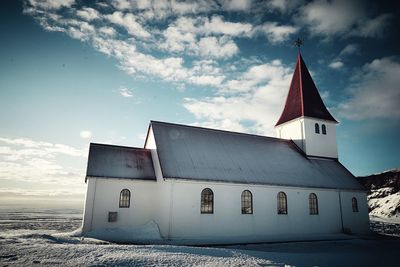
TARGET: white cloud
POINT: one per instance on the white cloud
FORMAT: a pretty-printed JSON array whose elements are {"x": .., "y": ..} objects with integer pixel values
[
  {"x": 336, "y": 64},
  {"x": 187, "y": 7},
  {"x": 257, "y": 75},
  {"x": 108, "y": 31},
  {"x": 373, "y": 27},
  {"x": 221, "y": 47},
  {"x": 341, "y": 17},
  {"x": 125, "y": 92},
  {"x": 85, "y": 134},
  {"x": 160, "y": 10},
  {"x": 180, "y": 35},
  {"x": 236, "y": 5},
  {"x": 217, "y": 25},
  {"x": 349, "y": 49},
  {"x": 129, "y": 22},
  {"x": 284, "y": 6},
  {"x": 169, "y": 69},
  {"x": 375, "y": 93},
  {"x": 202, "y": 37},
  {"x": 330, "y": 17},
  {"x": 276, "y": 33},
  {"x": 23, "y": 159},
  {"x": 29, "y": 147},
  {"x": 262, "y": 90},
  {"x": 193, "y": 36},
  {"x": 88, "y": 13},
  {"x": 54, "y": 192},
  {"x": 123, "y": 4},
  {"x": 51, "y": 4}
]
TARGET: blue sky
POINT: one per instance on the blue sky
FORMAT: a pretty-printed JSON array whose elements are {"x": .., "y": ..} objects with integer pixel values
[{"x": 74, "y": 72}]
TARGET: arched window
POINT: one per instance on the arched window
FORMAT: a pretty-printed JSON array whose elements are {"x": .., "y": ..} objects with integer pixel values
[
  {"x": 282, "y": 203},
  {"x": 207, "y": 201},
  {"x": 354, "y": 204},
  {"x": 317, "y": 128},
  {"x": 124, "y": 198},
  {"x": 313, "y": 204},
  {"x": 247, "y": 202},
  {"x": 323, "y": 128}
]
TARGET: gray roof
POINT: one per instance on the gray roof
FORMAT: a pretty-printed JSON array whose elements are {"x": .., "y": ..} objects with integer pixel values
[
  {"x": 120, "y": 162},
  {"x": 195, "y": 153}
]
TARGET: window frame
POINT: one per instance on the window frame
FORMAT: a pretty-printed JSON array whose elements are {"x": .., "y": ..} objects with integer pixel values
[
  {"x": 323, "y": 129},
  {"x": 354, "y": 204},
  {"x": 246, "y": 202},
  {"x": 316, "y": 128},
  {"x": 112, "y": 216},
  {"x": 282, "y": 200},
  {"x": 207, "y": 201},
  {"x": 125, "y": 200},
  {"x": 313, "y": 204}
]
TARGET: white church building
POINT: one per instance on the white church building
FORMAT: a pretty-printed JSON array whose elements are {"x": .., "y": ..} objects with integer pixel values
[{"x": 194, "y": 185}]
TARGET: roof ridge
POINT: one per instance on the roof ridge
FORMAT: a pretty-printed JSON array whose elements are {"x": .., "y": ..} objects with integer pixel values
[
  {"x": 301, "y": 84},
  {"x": 127, "y": 147},
  {"x": 220, "y": 130}
]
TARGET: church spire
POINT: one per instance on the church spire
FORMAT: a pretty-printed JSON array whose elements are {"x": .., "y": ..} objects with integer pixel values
[{"x": 303, "y": 99}]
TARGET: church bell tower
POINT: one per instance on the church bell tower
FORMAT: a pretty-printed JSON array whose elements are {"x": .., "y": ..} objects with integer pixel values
[{"x": 305, "y": 118}]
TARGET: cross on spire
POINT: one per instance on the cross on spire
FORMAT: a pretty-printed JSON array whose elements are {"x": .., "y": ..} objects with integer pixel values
[{"x": 298, "y": 42}]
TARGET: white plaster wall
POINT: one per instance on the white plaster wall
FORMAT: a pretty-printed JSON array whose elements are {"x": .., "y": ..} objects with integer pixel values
[
  {"x": 144, "y": 199},
  {"x": 292, "y": 130},
  {"x": 150, "y": 141},
  {"x": 227, "y": 224},
  {"x": 320, "y": 144},
  {"x": 355, "y": 222},
  {"x": 302, "y": 132},
  {"x": 179, "y": 216},
  {"x": 163, "y": 189},
  {"x": 88, "y": 210}
]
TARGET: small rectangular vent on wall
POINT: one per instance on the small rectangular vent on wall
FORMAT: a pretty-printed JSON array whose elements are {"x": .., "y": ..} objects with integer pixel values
[{"x": 112, "y": 216}]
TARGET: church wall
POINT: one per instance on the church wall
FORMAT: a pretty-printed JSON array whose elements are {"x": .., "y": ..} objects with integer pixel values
[
  {"x": 355, "y": 222},
  {"x": 88, "y": 209},
  {"x": 163, "y": 189},
  {"x": 227, "y": 224},
  {"x": 302, "y": 132},
  {"x": 179, "y": 218},
  {"x": 150, "y": 140},
  {"x": 292, "y": 130},
  {"x": 320, "y": 144},
  {"x": 106, "y": 199}
]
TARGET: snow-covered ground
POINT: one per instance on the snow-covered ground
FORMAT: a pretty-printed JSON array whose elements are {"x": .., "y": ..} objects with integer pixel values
[{"x": 47, "y": 237}]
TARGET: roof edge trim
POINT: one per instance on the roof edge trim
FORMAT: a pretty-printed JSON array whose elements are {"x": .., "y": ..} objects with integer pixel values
[
  {"x": 266, "y": 184},
  {"x": 122, "y": 178}
]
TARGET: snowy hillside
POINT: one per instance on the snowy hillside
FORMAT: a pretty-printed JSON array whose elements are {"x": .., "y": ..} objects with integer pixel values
[{"x": 384, "y": 193}]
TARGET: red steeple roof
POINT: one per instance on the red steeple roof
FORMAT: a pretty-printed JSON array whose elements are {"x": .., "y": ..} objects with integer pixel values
[{"x": 303, "y": 98}]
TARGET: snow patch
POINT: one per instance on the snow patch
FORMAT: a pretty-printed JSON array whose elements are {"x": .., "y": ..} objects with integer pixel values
[{"x": 146, "y": 233}]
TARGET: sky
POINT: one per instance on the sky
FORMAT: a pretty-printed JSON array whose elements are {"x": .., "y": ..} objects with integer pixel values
[{"x": 74, "y": 72}]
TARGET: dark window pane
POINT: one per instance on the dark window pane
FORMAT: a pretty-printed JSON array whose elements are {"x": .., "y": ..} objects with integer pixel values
[
  {"x": 207, "y": 201},
  {"x": 313, "y": 204},
  {"x": 354, "y": 204},
  {"x": 247, "y": 202},
  {"x": 112, "y": 216},
  {"x": 317, "y": 128},
  {"x": 323, "y": 129},
  {"x": 282, "y": 203},
  {"x": 124, "y": 198}
]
